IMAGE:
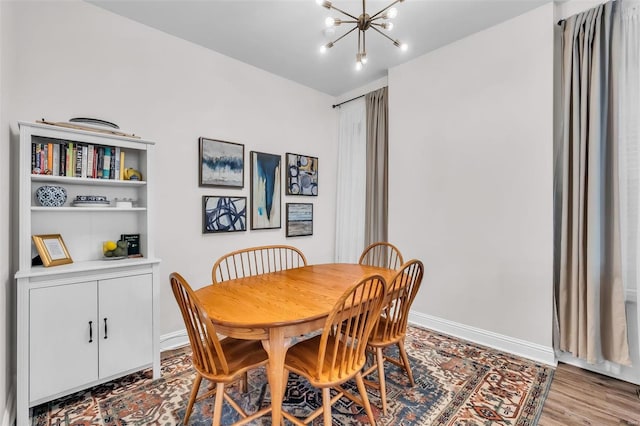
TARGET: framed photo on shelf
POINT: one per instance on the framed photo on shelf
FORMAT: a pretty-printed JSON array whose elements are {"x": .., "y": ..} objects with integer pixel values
[
  {"x": 265, "y": 190},
  {"x": 223, "y": 214},
  {"x": 51, "y": 249},
  {"x": 302, "y": 175},
  {"x": 221, "y": 163},
  {"x": 299, "y": 219}
]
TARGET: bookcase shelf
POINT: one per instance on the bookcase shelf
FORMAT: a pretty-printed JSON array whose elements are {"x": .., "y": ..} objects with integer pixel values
[
  {"x": 66, "y": 180},
  {"x": 61, "y": 345},
  {"x": 88, "y": 209}
]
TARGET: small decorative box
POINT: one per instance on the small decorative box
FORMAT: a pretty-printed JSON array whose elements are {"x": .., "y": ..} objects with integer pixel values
[{"x": 51, "y": 196}]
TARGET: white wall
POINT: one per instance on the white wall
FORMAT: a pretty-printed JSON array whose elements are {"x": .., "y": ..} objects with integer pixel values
[
  {"x": 7, "y": 355},
  {"x": 471, "y": 130},
  {"x": 78, "y": 60}
]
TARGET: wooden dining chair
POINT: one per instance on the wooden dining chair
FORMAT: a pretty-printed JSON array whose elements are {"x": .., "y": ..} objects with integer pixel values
[
  {"x": 338, "y": 354},
  {"x": 221, "y": 361},
  {"x": 382, "y": 254},
  {"x": 255, "y": 261},
  {"x": 391, "y": 327}
]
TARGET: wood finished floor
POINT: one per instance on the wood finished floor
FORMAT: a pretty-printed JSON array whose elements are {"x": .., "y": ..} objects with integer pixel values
[{"x": 580, "y": 397}]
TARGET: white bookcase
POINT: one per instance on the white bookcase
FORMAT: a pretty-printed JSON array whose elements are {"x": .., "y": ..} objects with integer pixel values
[{"x": 90, "y": 321}]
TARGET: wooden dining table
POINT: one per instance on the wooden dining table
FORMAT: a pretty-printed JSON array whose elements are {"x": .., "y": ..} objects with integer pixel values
[{"x": 277, "y": 306}]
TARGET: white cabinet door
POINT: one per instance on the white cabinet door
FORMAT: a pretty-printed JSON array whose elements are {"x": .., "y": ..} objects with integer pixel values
[
  {"x": 125, "y": 317},
  {"x": 63, "y": 338}
]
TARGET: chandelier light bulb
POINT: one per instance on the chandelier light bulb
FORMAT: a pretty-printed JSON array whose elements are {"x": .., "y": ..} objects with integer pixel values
[
  {"x": 358, "y": 66},
  {"x": 404, "y": 47},
  {"x": 363, "y": 58},
  {"x": 387, "y": 26},
  {"x": 391, "y": 13},
  {"x": 324, "y": 47},
  {"x": 324, "y": 3},
  {"x": 329, "y": 22}
]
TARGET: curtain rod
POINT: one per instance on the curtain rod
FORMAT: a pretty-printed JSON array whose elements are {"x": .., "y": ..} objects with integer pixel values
[{"x": 349, "y": 100}]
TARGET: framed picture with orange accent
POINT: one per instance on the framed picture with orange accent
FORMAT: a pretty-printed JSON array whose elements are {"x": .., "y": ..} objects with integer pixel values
[{"x": 302, "y": 175}]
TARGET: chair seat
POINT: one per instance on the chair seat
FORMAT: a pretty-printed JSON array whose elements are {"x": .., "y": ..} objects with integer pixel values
[
  {"x": 378, "y": 338},
  {"x": 301, "y": 359},
  {"x": 242, "y": 355}
]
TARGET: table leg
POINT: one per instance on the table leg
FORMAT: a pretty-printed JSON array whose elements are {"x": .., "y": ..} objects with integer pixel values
[{"x": 276, "y": 349}]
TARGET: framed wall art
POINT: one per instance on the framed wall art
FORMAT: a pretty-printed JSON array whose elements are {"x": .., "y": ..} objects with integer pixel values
[
  {"x": 265, "y": 190},
  {"x": 221, "y": 163},
  {"x": 302, "y": 175},
  {"x": 299, "y": 219},
  {"x": 223, "y": 214},
  {"x": 51, "y": 249}
]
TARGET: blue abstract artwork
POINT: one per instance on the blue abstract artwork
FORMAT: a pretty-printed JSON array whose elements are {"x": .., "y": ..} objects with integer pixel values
[
  {"x": 299, "y": 219},
  {"x": 265, "y": 190},
  {"x": 224, "y": 214},
  {"x": 221, "y": 163}
]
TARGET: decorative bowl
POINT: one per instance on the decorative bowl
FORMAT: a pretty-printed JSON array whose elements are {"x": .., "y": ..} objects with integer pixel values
[{"x": 51, "y": 196}]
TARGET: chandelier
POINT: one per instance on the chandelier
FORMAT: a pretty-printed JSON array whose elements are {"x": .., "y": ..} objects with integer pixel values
[{"x": 363, "y": 22}]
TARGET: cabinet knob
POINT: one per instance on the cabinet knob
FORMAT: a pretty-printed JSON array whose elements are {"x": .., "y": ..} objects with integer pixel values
[{"x": 90, "y": 331}]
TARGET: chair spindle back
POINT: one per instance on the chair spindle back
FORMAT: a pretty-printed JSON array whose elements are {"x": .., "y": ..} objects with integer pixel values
[
  {"x": 382, "y": 254},
  {"x": 256, "y": 261}
]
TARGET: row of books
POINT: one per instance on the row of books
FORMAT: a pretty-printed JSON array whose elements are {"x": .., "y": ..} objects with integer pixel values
[{"x": 77, "y": 160}]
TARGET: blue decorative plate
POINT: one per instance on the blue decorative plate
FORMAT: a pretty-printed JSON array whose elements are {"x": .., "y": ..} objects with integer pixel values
[{"x": 51, "y": 196}]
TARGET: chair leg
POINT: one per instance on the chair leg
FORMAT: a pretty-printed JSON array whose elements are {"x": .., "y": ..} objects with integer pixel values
[
  {"x": 326, "y": 406},
  {"x": 405, "y": 361},
  {"x": 192, "y": 397},
  {"x": 365, "y": 399},
  {"x": 217, "y": 408},
  {"x": 381, "y": 380},
  {"x": 244, "y": 382}
]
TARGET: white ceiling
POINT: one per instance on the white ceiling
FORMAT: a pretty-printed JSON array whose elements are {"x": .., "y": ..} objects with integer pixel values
[{"x": 283, "y": 37}]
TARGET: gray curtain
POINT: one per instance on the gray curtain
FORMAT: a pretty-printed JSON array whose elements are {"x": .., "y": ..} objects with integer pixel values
[
  {"x": 377, "y": 168},
  {"x": 589, "y": 290}
]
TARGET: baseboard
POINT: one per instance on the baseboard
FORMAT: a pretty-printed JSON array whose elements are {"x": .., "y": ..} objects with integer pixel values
[
  {"x": 9, "y": 414},
  {"x": 529, "y": 350},
  {"x": 173, "y": 340}
]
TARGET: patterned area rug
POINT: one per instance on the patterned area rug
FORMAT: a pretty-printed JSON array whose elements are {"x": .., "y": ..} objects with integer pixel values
[{"x": 457, "y": 383}]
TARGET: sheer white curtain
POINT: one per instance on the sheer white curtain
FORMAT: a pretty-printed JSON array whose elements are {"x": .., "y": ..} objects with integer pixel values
[
  {"x": 629, "y": 134},
  {"x": 352, "y": 166}
]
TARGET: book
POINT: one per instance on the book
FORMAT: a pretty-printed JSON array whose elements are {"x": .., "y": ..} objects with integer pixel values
[
  {"x": 91, "y": 171},
  {"x": 49, "y": 167},
  {"x": 36, "y": 168},
  {"x": 106, "y": 162},
  {"x": 63, "y": 159},
  {"x": 70, "y": 169},
  {"x": 116, "y": 171},
  {"x": 85, "y": 161},
  {"x": 112, "y": 167},
  {"x": 55, "y": 169},
  {"x": 133, "y": 241},
  {"x": 78, "y": 160},
  {"x": 121, "y": 165}
]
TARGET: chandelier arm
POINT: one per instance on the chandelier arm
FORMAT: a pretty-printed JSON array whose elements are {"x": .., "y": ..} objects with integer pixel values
[
  {"x": 364, "y": 42},
  {"x": 344, "y": 35},
  {"x": 392, "y": 40},
  {"x": 343, "y": 12},
  {"x": 383, "y": 10}
]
